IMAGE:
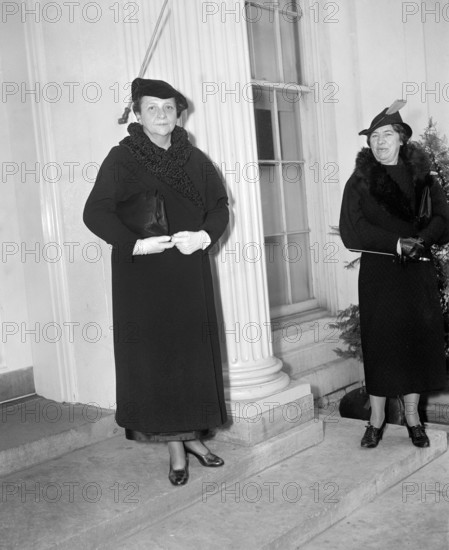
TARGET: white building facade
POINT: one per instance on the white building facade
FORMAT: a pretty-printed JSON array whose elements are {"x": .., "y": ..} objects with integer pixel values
[{"x": 278, "y": 92}]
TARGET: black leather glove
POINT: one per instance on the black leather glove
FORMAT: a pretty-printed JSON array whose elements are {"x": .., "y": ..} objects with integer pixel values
[{"x": 411, "y": 249}]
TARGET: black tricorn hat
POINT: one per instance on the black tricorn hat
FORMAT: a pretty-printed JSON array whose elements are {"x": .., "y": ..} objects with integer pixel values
[
  {"x": 157, "y": 88},
  {"x": 390, "y": 115}
]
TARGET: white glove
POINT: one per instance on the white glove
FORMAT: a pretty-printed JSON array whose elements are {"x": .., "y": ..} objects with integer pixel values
[
  {"x": 188, "y": 242},
  {"x": 152, "y": 245}
]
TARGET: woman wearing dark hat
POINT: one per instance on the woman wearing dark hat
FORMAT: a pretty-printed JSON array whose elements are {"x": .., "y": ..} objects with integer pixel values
[
  {"x": 168, "y": 365},
  {"x": 400, "y": 316}
]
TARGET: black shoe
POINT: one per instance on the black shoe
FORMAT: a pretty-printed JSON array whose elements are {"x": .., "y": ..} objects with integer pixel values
[
  {"x": 179, "y": 477},
  {"x": 210, "y": 460},
  {"x": 372, "y": 436},
  {"x": 418, "y": 435}
]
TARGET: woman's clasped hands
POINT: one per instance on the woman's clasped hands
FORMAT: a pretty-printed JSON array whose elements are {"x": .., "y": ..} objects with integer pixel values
[
  {"x": 152, "y": 245},
  {"x": 187, "y": 242}
]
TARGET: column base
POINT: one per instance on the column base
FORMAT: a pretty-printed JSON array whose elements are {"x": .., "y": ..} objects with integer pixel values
[
  {"x": 255, "y": 420},
  {"x": 264, "y": 381}
]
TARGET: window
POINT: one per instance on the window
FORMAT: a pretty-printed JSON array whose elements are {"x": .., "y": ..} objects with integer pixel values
[{"x": 273, "y": 32}]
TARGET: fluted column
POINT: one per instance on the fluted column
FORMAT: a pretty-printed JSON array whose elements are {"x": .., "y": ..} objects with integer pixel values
[{"x": 203, "y": 50}]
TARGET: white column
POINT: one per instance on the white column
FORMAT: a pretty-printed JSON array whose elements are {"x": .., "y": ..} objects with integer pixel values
[{"x": 203, "y": 51}]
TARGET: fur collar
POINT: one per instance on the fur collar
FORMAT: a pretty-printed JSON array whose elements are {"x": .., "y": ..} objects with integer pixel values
[
  {"x": 167, "y": 165},
  {"x": 385, "y": 190}
]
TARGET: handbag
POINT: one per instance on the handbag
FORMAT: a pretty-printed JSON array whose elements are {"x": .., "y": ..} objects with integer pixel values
[
  {"x": 145, "y": 214},
  {"x": 425, "y": 208},
  {"x": 356, "y": 404},
  {"x": 425, "y": 214}
]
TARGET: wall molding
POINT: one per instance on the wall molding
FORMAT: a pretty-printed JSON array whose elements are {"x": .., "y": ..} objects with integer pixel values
[{"x": 52, "y": 220}]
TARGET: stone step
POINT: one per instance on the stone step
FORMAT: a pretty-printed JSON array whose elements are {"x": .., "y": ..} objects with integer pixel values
[
  {"x": 302, "y": 359},
  {"x": 91, "y": 496},
  {"x": 288, "y": 504},
  {"x": 301, "y": 333},
  {"x": 305, "y": 342},
  {"x": 329, "y": 377},
  {"x": 16, "y": 384},
  {"x": 436, "y": 406},
  {"x": 412, "y": 514},
  {"x": 35, "y": 429},
  {"x": 306, "y": 345}
]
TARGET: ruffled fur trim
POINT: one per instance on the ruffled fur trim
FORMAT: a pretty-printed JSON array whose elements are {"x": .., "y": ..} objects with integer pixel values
[
  {"x": 385, "y": 190},
  {"x": 167, "y": 165}
]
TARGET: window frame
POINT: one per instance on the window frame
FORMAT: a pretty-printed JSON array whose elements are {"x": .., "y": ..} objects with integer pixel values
[{"x": 305, "y": 95}]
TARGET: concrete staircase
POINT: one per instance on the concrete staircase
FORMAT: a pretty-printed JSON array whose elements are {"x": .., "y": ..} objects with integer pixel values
[
  {"x": 71, "y": 480},
  {"x": 34, "y": 430},
  {"x": 287, "y": 505},
  {"x": 114, "y": 493},
  {"x": 306, "y": 346}
]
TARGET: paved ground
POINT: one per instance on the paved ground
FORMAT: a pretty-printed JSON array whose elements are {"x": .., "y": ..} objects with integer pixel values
[
  {"x": 333, "y": 478},
  {"x": 115, "y": 494},
  {"x": 412, "y": 515}
]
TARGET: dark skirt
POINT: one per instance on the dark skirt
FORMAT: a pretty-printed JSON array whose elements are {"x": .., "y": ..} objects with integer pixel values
[{"x": 401, "y": 326}]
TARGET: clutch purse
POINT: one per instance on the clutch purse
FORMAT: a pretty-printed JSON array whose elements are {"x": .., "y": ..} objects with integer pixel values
[
  {"x": 145, "y": 214},
  {"x": 425, "y": 208}
]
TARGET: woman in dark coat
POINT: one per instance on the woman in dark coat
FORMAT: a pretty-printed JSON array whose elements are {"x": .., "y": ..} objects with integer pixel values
[
  {"x": 400, "y": 315},
  {"x": 167, "y": 355}
]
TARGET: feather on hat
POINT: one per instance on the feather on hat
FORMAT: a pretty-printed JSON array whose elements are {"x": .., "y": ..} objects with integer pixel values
[{"x": 390, "y": 115}]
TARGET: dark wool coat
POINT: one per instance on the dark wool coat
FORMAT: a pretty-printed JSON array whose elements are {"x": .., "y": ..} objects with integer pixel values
[
  {"x": 400, "y": 314},
  {"x": 167, "y": 358}
]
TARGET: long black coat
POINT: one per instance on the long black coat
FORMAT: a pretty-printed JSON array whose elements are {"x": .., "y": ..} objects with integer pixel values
[
  {"x": 167, "y": 355},
  {"x": 400, "y": 314}
]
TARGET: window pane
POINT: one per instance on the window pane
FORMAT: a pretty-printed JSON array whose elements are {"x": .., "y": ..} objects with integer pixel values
[
  {"x": 290, "y": 48},
  {"x": 271, "y": 199},
  {"x": 294, "y": 196},
  {"x": 276, "y": 271},
  {"x": 275, "y": 59},
  {"x": 297, "y": 257},
  {"x": 261, "y": 28},
  {"x": 264, "y": 126},
  {"x": 288, "y": 106}
]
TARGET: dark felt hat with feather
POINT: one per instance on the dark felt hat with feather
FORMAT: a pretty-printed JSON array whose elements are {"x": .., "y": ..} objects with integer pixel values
[{"x": 390, "y": 115}]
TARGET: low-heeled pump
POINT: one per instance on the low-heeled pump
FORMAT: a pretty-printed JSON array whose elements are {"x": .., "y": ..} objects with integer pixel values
[
  {"x": 210, "y": 460},
  {"x": 179, "y": 477}
]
